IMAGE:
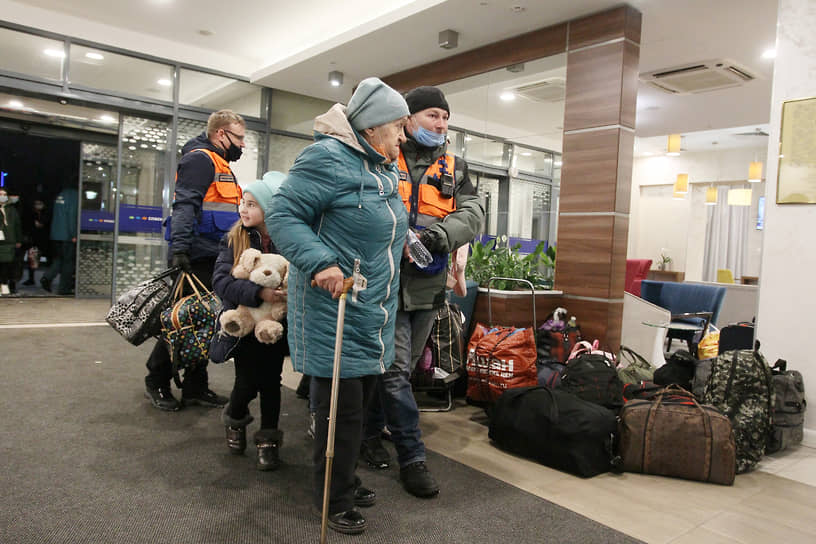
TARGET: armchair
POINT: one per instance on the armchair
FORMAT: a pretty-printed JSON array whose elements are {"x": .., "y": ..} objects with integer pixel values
[
  {"x": 636, "y": 271},
  {"x": 691, "y": 304}
]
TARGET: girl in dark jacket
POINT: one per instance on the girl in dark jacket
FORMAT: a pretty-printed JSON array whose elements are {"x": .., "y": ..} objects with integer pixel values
[{"x": 257, "y": 366}]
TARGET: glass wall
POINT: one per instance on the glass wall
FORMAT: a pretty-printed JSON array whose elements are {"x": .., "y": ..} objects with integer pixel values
[
  {"x": 31, "y": 55},
  {"x": 212, "y": 92},
  {"x": 121, "y": 74}
]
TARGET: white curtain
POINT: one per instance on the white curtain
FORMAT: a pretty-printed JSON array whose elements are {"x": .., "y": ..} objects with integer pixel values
[{"x": 726, "y": 237}]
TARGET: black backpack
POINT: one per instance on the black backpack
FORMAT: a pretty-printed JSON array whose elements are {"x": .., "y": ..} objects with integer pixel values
[
  {"x": 679, "y": 370},
  {"x": 592, "y": 377},
  {"x": 555, "y": 428}
]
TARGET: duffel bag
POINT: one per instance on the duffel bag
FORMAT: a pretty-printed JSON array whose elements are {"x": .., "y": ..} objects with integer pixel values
[
  {"x": 633, "y": 368},
  {"x": 499, "y": 359},
  {"x": 556, "y": 429},
  {"x": 674, "y": 435},
  {"x": 188, "y": 325},
  {"x": 136, "y": 314},
  {"x": 592, "y": 377}
]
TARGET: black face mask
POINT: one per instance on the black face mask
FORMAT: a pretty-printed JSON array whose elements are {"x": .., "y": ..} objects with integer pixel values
[{"x": 233, "y": 152}]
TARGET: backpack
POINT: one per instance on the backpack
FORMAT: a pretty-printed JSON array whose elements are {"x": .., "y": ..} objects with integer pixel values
[
  {"x": 789, "y": 407},
  {"x": 556, "y": 343},
  {"x": 741, "y": 387},
  {"x": 593, "y": 378},
  {"x": 678, "y": 370}
]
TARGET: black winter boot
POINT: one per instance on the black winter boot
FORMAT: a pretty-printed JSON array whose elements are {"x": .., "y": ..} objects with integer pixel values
[
  {"x": 268, "y": 442},
  {"x": 236, "y": 431}
]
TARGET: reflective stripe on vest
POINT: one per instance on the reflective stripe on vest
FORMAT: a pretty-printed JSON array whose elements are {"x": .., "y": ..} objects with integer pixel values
[{"x": 431, "y": 204}]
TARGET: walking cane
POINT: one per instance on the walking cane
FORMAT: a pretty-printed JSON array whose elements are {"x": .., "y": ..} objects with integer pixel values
[{"x": 358, "y": 283}]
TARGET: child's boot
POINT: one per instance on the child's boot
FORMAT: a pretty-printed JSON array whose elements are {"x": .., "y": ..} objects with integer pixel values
[
  {"x": 236, "y": 430},
  {"x": 268, "y": 442}
]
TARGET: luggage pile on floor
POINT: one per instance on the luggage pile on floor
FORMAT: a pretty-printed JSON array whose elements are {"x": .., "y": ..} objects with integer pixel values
[{"x": 593, "y": 412}]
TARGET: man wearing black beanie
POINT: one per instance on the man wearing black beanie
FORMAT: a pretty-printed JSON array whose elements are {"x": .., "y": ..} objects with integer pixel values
[{"x": 445, "y": 211}]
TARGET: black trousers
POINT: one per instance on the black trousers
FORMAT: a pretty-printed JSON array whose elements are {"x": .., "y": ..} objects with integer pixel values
[
  {"x": 352, "y": 403},
  {"x": 258, "y": 370},
  {"x": 7, "y": 272},
  {"x": 159, "y": 366},
  {"x": 63, "y": 263}
]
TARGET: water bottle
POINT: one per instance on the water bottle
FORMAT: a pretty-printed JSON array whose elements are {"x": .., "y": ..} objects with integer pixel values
[
  {"x": 573, "y": 323},
  {"x": 418, "y": 252}
]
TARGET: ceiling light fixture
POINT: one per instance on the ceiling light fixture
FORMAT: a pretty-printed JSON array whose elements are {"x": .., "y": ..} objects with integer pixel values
[
  {"x": 739, "y": 197},
  {"x": 165, "y": 82},
  {"x": 673, "y": 145},
  {"x": 755, "y": 172},
  {"x": 448, "y": 39},
  {"x": 56, "y": 53},
  {"x": 681, "y": 186},
  {"x": 525, "y": 153},
  {"x": 15, "y": 104},
  {"x": 769, "y": 53},
  {"x": 335, "y": 78},
  {"x": 94, "y": 56},
  {"x": 711, "y": 196},
  {"x": 507, "y": 96},
  {"x": 107, "y": 119}
]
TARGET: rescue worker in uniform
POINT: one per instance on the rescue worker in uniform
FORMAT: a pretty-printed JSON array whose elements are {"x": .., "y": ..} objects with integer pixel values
[
  {"x": 445, "y": 211},
  {"x": 205, "y": 206}
]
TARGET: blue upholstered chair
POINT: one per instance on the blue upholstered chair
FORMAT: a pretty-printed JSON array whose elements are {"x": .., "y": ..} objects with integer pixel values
[{"x": 690, "y": 303}]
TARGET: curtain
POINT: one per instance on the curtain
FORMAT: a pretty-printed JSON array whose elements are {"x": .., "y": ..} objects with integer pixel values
[{"x": 726, "y": 237}]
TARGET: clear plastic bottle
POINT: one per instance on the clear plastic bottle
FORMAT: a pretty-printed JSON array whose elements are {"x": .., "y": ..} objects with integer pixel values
[
  {"x": 418, "y": 252},
  {"x": 573, "y": 323}
]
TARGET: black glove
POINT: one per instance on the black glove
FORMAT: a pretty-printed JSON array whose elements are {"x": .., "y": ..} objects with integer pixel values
[
  {"x": 429, "y": 239},
  {"x": 182, "y": 260}
]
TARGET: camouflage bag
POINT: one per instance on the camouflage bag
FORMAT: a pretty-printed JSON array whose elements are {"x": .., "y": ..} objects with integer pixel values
[{"x": 741, "y": 387}]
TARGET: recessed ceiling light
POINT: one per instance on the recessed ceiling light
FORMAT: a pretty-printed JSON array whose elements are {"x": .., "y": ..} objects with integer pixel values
[
  {"x": 107, "y": 119},
  {"x": 526, "y": 153},
  {"x": 94, "y": 56},
  {"x": 15, "y": 104},
  {"x": 132, "y": 147},
  {"x": 507, "y": 96},
  {"x": 165, "y": 82},
  {"x": 769, "y": 54},
  {"x": 56, "y": 53}
]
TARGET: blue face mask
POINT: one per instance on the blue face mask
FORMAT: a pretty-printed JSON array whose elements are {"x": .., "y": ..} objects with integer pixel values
[{"x": 427, "y": 138}]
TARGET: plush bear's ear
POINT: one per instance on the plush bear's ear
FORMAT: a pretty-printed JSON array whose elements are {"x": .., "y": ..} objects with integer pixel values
[
  {"x": 249, "y": 258},
  {"x": 240, "y": 272}
]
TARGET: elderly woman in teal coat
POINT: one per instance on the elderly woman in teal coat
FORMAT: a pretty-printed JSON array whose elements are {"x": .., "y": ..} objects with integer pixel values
[{"x": 341, "y": 203}]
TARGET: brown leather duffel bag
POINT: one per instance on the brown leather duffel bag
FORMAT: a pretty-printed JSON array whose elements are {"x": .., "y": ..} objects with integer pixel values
[{"x": 674, "y": 435}]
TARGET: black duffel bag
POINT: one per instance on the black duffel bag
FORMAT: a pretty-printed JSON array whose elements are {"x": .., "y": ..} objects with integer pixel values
[
  {"x": 136, "y": 314},
  {"x": 557, "y": 429}
]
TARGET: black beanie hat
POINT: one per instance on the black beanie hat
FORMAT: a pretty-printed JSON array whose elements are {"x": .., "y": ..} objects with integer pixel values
[{"x": 423, "y": 98}]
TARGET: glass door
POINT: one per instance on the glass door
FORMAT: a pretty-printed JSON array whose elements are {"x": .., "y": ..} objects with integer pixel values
[
  {"x": 97, "y": 187},
  {"x": 140, "y": 248}
]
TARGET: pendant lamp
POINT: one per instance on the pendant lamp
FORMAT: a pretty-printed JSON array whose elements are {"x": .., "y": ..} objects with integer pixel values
[
  {"x": 711, "y": 196},
  {"x": 739, "y": 197},
  {"x": 673, "y": 145},
  {"x": 682, "y": 184},
  {"x": 755, "y": 172}
]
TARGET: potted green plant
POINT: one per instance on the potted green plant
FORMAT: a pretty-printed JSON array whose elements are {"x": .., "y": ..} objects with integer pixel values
[
  {"x": 510, "y": 302},
  {"x": 665, "y": 260}
]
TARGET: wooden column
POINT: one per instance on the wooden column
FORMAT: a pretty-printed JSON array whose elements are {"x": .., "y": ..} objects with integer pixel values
[{"x": 599, "y": 121}]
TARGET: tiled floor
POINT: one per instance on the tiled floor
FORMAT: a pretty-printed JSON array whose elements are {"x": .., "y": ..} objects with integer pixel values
[{"x": 776, "y": 503}]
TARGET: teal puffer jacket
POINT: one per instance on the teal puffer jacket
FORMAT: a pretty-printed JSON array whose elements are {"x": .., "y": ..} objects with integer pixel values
[{"x": 340, "y": 203}]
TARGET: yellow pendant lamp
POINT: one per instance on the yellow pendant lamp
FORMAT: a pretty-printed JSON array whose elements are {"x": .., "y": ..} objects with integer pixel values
[
  {"x": 711, "y": 196},
  {"x": 755, "y": 172},
  {"x": 673, "y": 145},
  {"x": 681, "y": 185}
]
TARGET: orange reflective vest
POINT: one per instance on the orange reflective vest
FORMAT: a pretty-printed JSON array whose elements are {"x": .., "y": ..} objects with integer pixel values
[{"x": 427, "y": 194}]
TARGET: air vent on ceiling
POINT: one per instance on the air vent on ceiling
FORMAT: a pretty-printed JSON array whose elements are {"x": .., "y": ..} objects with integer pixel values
[
  {"x": 547, "y": 90},
  {"x": 699, "y": 77}
]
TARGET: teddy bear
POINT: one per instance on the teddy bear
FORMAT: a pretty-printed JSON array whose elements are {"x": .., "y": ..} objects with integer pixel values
[{"x": 267, "y": 270}]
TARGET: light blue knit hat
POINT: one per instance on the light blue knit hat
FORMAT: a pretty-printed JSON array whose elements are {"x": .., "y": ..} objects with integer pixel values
[
  {"x": 264, "y": 188},
  {"x": 374, "y": 103}
]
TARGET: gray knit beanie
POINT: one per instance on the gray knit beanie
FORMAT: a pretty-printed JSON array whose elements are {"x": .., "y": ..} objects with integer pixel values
[{"x": 374, "y": 103}]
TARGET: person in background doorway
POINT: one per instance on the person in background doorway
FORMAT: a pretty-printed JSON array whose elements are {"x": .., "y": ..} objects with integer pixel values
[
  {"x": 10, "y": 241},
  {"x": 36, "y": 236},
  {"x": 446, "y": 212},
  {"x": 63, "y": 241},
  {"x": 205, "y": 206},
  {"x": 340, "y": 203}
]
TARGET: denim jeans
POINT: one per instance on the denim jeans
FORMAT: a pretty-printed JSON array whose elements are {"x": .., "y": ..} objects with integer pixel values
[{"x": 395, "y": 404}]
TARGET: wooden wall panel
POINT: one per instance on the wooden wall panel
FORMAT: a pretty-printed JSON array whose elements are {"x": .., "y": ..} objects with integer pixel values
[
  {"x": 594, "y": 87},
  {"x": 598, "y": 320},
  {"x": 621, "y": 22},
  {"x": 537, "y": 44},
  {"x": 589, "y": 173},
  {"x": 584, "y": 263},
  {"x": 514, "y": 311}
]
